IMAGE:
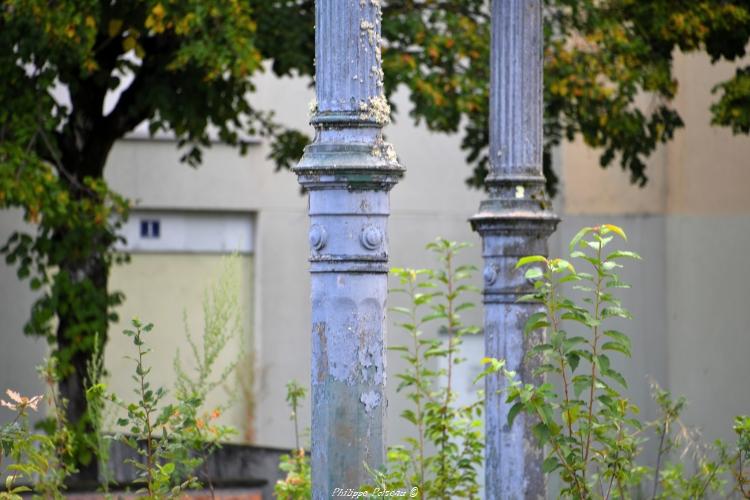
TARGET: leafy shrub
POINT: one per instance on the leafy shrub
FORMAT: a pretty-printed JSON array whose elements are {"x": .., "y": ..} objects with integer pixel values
[
  {"x": 39, "y": 459},
  {"x": 171, "y": 438},
  {"x": 442, "y": 458},
  {"x": 591, "y": 430},
  {"x": 158, "y": 432},
  {"x": 174, "y": 439},
  {"x": 297, "y": 484}
]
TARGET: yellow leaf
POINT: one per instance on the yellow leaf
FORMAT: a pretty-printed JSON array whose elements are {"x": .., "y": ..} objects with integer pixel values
[
  {"x": 158, "y": 10},
  {"x": 129, "y": 43},
  {"x": 139, "y": 50},
  {"x": 90, "y": 22},
  {"x": 183, "y": 25},
  {"x": 114, "y": 27},
  {"x": 91, "y": 65},
  {"x": 616, "y": 230}
]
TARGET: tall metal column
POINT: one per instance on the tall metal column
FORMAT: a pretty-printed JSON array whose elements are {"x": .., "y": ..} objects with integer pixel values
[
  {"x": 348, "y": 171},
  {"x": 513, "y": 222}
]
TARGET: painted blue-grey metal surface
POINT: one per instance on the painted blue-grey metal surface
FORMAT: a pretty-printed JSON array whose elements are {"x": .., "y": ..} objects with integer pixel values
[
  {"x": 348, "y": 171},
  {"x": 513, "y": 222}
]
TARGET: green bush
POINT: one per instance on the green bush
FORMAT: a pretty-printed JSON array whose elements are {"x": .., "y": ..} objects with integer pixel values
[
  {"x": 297, "y": 484},
  {"x": 591, "y": 431},
  {"x": 442, "y": 458},
  {"x": 41, "y": 461},
  {"x": 172, "y": 439}
]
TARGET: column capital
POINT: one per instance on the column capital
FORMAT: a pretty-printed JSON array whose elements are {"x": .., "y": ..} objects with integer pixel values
[{"x": 351, "y": 166}]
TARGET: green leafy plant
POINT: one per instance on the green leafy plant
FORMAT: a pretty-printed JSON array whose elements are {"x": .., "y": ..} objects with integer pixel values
[
  {"x": 157, "y": 430},
  {"x": 174, "y": 438},
  {"x": 441, "y": 460},
  {"x": 297, "y": 483},
  {"x": 98, "y": 411},
  {"x": 171, "y": 439},
  {"x": 589, "y": 428},
  {"x": 591, "y": 431},
  {"x": 42, "y": 461},
  {"x": 741, "y": 469},
  {"x": 700, "y": 468}
]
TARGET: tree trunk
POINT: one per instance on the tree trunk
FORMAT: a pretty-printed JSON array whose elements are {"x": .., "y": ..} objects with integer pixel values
[{"x": 82, "y": 326}]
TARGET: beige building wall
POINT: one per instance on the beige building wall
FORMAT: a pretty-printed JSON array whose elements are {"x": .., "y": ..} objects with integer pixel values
[
  {"x": 19, "y": 354},
  {"x": 169, "y": 290}
]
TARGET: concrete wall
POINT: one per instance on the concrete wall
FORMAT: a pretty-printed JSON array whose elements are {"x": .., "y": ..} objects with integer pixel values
[
  {"x": 19, "y": 354},
  {"x": 169, "y": 290},
  {"x": 708, "y": 331}
]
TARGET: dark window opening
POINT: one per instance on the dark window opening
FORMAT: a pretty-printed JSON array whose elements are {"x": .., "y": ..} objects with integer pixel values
[{"x": 150, "y": 228}]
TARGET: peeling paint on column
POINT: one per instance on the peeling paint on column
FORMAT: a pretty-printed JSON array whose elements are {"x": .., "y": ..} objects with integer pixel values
[
  {"x": 370, "y": 400},
  {"x": 348, "y": 172},
  {"x": 512, "y": 224}
]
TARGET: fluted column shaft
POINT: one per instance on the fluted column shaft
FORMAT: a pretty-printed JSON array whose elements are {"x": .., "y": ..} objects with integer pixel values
[
  {"x": 348, "y": 171},
  {"x": 513, "y": 221}
]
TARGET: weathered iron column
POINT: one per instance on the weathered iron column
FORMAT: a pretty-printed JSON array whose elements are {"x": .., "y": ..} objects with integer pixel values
[
  {"x": 513, "y": 222},
  {"x": 348, "y": 171}
]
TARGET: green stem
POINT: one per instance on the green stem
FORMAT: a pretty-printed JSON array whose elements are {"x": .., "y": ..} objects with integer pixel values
[
  {"x": 594, "y": 343},
  {"x": 741, "y": 477},
  {"x": 418, "y": 379},
  {"x": 565, "y": 464},
  {"x": 451, "y": 327},
  {"x": 552, "y": 315},
  {"x": 609, "y": 487},
  {"x": 297, "y": 451},
  {"x": 708, "y": 481},
  {"x": 620, "y": 488},
  {"x": 147, "y": 418},
  {"x": 662, "y": 437}
]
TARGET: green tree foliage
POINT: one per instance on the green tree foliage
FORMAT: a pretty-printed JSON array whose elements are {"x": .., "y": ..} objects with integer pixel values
[
  {"x": 608, "y": 68},
  {"x": 184, "y": 67}
]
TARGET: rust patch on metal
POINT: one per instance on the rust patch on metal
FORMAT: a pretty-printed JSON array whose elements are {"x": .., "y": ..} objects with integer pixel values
[{"x": 319, "y": 329}]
